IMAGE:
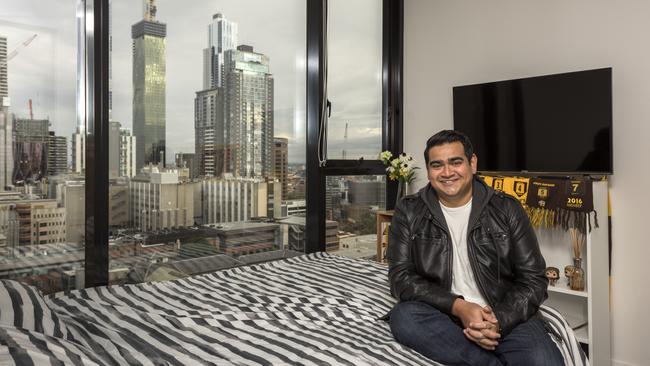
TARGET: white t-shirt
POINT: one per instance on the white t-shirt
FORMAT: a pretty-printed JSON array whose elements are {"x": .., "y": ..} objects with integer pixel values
[{"x": 463, "y": 281}]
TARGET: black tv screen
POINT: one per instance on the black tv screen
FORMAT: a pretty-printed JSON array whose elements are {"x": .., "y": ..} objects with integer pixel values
[{"x": 558, "y": 123}]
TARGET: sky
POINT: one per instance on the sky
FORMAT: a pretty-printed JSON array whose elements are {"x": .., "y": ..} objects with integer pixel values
[{"x": 45, "y": 71}]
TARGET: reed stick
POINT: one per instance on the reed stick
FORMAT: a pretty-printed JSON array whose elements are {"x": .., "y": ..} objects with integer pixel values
[{"x": 577, "y": 240}]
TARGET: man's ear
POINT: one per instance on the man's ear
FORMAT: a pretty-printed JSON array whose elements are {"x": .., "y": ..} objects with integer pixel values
[{"x": 473, "y": 162}]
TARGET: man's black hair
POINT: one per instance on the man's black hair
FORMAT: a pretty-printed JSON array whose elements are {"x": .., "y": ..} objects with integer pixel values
[{"x": 447, "y": 137}]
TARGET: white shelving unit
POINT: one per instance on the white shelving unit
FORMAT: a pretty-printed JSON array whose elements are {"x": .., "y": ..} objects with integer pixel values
[{"x": 586, "y": 311}]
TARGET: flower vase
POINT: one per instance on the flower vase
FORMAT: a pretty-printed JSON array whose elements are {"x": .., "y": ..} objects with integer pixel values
[{"x": 578, "y": 277}]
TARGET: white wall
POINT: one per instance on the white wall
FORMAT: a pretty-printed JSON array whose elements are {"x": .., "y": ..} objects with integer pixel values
[{"x": 449, "y": 43}]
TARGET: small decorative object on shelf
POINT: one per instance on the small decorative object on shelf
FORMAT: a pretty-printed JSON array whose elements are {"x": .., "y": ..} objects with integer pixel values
[
  {"x": 552, "y": 274},
  {"x": 401, "y": 168},
  {"x": 568, "y": 272},
  {"x": 577, "y": 279}
]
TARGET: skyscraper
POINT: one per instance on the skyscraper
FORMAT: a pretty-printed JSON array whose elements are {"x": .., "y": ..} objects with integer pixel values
[
  {"x": 6, "y": 122},
  {"x": 222, "y": 36},
  {"x": 31, "y": 143},
  {"x": 209, "y": 116},
  {"x": 57, "y": 154},
  {"x": 249, "y": 113},
  {"x": 4, "y": 85},
  {"x": 209, "y": 128},
  {"x": 149, "y": 87}
]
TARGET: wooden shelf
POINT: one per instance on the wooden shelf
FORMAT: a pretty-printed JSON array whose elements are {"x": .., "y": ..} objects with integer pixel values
[
  {"x": 383, "y": 221},
  {"x": 564, "y": 289}
]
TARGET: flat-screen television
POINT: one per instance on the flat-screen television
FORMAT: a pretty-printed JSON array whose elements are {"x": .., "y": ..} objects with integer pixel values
[{"x": 558, "y": 123}]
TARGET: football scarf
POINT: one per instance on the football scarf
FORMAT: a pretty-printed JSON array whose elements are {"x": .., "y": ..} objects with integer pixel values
[
  {"x": 551, "y": 202},
  {"x": 517, "y": 187}
]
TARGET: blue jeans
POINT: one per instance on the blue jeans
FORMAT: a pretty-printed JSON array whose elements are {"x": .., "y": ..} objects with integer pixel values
[{"x": 434, "y": 334}]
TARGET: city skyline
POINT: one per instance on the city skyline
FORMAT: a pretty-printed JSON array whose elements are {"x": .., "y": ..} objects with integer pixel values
[{"x": 282, "y": 40}]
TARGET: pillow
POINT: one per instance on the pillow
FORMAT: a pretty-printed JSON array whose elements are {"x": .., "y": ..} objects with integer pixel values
[{"x": 23, "y": 306}]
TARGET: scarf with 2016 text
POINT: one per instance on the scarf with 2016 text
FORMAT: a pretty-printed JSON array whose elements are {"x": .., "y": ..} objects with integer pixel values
[{"x": 551, "y": 202}]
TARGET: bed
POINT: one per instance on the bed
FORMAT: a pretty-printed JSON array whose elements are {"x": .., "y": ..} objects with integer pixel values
[{"x": 315, "y": 309}]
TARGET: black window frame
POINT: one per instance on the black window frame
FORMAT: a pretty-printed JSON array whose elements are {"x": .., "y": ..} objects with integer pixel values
[
  {"x": 392, "y": 121},
  {"x": 97, "y": 126}
]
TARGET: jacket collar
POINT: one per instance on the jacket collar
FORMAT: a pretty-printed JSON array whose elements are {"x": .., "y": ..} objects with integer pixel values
[{"x": 481, "y": 195}]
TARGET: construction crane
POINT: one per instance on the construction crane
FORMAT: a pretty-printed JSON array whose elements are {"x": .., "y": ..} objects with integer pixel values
[{"x": 18, "y": 49}]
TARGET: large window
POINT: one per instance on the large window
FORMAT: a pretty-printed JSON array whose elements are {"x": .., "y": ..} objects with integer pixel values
[
  {"x": 160, "y": 139},
  {"x": 354, "y": 79},
  {"x": 361, "y": 63},
  {"x": 207, "y": 136},
  {"x": 41, "y": 111}
]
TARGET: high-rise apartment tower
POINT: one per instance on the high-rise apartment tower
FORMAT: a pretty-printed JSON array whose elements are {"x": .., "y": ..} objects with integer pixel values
[{"x": 149, "y": 87}]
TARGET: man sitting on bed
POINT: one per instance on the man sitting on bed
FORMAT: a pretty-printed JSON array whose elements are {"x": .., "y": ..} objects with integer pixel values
[{"x": 465, "y": 265}]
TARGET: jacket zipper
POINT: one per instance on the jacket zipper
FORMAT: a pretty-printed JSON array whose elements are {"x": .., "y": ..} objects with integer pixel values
[{"x": 473, "y": 264}]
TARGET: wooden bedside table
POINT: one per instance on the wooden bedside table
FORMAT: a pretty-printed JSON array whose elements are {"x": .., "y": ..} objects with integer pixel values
[{"x": 383, "y": 223}]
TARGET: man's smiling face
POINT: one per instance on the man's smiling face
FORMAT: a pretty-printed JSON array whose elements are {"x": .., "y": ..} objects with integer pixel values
[{"x": 451, "y": 174}]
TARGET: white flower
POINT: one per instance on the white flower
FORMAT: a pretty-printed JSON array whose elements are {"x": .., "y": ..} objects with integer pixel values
[{"x": 385, "y": 156}]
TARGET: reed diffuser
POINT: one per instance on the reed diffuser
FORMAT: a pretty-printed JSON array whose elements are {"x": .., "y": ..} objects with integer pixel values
[{"x": 577, "y": 280}]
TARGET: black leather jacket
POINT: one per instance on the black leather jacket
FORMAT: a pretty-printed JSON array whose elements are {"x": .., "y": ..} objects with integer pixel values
[{"x": 502, "y": 248}]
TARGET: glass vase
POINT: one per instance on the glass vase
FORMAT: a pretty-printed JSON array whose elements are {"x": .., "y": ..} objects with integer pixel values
[
  {"x": 578, "y": 276},
  {"x": 402, "y": 187}
]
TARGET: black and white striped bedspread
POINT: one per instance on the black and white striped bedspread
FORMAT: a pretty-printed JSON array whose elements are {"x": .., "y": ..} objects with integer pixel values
[{"x": 316, "y": 309}]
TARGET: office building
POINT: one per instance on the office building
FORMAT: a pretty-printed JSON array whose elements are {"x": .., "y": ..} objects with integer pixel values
[
  {"x": 209, "y": 129},
  {"x": 127, "y": 153},
  {"x": 78, "y": 152},
  {"x": 31, "y": 140},
  {"x": 281, "y": 163},
  {"x": 233, "y": 199},
  {"x": 158, "y": 200},
  {"x": 4, "y": 81},
  {"x": 222, "y": 36},
  {"x": 31, "y": 222},
  {"x": 186, "y": 161},
  {"x": 57, "y": 154},
  {"x": 121, "y": 152},
  {"x": 296, "y": 226},
  {"x": 209, "y": 113},
  {"x": 249, "y": 111},
  {"x": 71, "y": 195},
  {"x": 243, "y": 238},
  {"x": 149, "y": 72},
  {"x": 6, "y": 122}
]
